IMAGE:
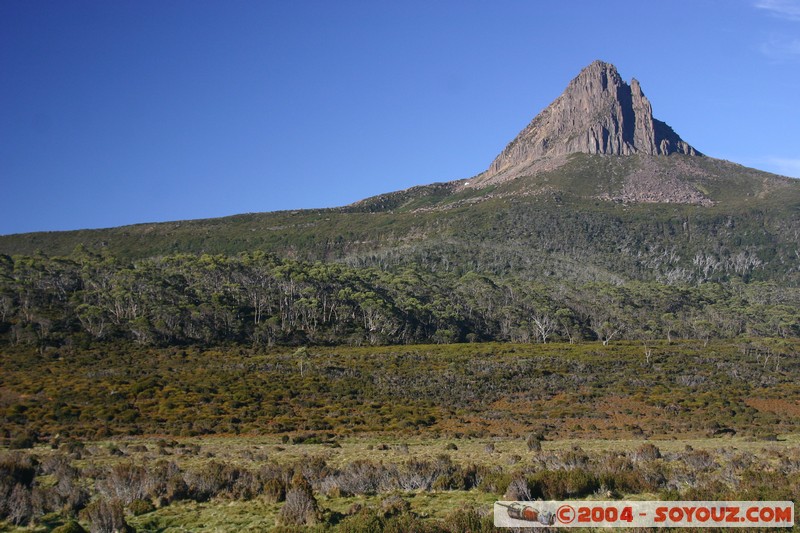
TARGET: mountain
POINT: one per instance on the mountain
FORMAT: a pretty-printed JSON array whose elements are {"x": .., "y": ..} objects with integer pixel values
[
  {"x": 599, "y": 140},
  {"x": 597, "y": 222},
  {"x": 598, "y": 113},
  {"x": 593, "y": 188}
]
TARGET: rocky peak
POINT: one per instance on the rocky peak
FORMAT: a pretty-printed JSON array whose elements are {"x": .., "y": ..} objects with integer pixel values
[{"x": 598, "y": 113}]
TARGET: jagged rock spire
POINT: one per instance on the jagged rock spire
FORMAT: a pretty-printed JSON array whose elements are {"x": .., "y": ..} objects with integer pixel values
[{"x": 598, "y": 113}]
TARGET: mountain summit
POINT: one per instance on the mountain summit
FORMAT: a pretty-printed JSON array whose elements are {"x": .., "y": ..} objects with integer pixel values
[{"x": 598, "y": 113}]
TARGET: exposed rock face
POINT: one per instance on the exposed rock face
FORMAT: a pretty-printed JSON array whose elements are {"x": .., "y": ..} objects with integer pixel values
[{"x": 598, "y": 113}]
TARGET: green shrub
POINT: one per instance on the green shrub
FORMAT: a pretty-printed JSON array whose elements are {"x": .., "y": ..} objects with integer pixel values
[
  {"x": 70, "y": 527},
  {"x": 467, "y": 520},
  {"x": 394, "y": 505},
  {"x": 364, "y": 521},
  {"x": 73, "y": 447},
  {"x": 563, "y": 484},
  {"x": 22, "y": 442},
  {"x": 406, "y": 522},
  {"x": 518, "y": 490},
  {"x": 139, "y": 507},
  {"x": 647, "y": 452},
  {"x": 494, "y": 481},
  {"x": 176, "y": 488},
  {"x": 17, "y": 469}
]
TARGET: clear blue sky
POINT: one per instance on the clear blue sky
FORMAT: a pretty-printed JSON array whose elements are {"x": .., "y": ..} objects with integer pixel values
[{"x": 128, "y": 111}]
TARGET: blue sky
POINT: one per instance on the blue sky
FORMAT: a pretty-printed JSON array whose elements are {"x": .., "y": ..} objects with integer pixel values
[{"x": 120, "y": 112}]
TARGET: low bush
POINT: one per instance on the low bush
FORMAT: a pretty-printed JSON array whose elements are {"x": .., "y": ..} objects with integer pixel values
[
  {"x": 139, "y": 507},
  {"x": 126, "y": 482},
  {"x": 300, "y": 508},
  {"x": 362, "y": 477},
  {"x": 394, "y": 505},
  {"x": 468, "y": 519},
  {"x": 70, "y": 527},
  {"x": 493, "y": 480},
  {"x": 563, "y": 484},
  {"x": 534, "y": 442},
  {"x": 22, "y": 442},
  {"x": 518, "y": 490},
  {"x": 647, "y": 452},
  {"x": 106, "y": 516}
]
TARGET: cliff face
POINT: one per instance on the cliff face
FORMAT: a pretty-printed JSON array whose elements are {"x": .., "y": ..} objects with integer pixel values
[{"x": 598, "y": 113}]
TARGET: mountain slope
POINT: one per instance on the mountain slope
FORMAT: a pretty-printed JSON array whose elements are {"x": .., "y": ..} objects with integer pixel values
[{"x": 593, "y": 188}]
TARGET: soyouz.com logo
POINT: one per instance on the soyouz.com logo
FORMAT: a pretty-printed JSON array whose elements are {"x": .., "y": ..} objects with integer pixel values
[{"x": 643, "y": 514}]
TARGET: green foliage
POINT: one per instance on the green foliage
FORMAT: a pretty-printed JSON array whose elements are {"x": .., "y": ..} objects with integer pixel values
[
  {"x": 262, "y": 300},
  {"x": 364, "y": 521},
  {"x": 563, "y": 484},
  {"x": 431, "y": 264},
  {"x": 70, "y": 527},
  {"x": 22, "y": 442},
  {"x": 259, "y": 324},
  {"x": 139, "y": 507},
  {"x": 469, "y": 519}
]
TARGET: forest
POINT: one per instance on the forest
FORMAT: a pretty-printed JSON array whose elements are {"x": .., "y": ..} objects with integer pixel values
[{"x": 263, "y": 300}]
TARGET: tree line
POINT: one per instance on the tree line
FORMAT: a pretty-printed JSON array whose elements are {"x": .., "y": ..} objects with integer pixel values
[{"x": 259, "y": 298}]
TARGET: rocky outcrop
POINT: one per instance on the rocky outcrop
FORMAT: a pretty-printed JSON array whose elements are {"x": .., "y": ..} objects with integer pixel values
[
  {"x": 655, "y": 181},
  {"x": 598, "y": 113}
]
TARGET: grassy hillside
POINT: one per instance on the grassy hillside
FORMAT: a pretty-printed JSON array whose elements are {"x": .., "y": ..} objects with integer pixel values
[{"x": 575, "y": 214}]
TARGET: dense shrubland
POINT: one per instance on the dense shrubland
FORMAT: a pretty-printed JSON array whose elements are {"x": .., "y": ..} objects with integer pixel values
[
  {"x": 629, "y": 389},
  {"x": 259, "y": 299}
]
